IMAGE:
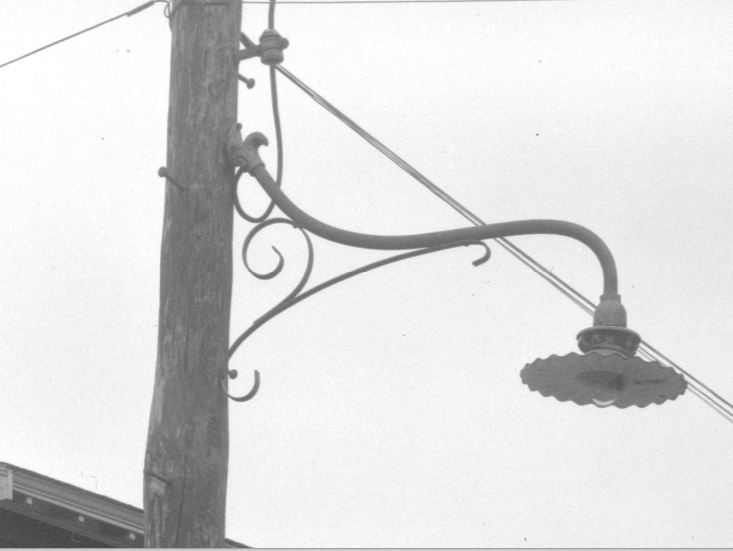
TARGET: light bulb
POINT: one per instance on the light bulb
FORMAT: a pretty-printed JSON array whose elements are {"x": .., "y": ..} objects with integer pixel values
[{"x": 604, "y": 397}]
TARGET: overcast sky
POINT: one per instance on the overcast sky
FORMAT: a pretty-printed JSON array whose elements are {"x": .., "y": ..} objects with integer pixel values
[{"x": 391, "y": 411}]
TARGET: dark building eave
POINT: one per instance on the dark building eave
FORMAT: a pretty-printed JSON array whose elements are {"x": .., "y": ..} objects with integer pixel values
[{"x": 74, "y": 509}]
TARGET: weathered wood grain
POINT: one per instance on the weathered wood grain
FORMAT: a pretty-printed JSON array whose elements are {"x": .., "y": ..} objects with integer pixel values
[{"x": 187, "y": 448}]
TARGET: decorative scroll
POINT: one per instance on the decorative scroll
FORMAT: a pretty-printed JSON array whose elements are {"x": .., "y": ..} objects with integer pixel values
[
  {"x": 298, "y": 293},
  {"x": 243, "y": 213}
]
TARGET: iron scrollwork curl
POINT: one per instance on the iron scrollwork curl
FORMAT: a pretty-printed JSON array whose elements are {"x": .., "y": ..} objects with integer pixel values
[
  {"x": 280, "y": 259},
  {"x": 296, "y": 296},
  {"x": 240, "y": 209},
  {"x": 262, "y": 222}
]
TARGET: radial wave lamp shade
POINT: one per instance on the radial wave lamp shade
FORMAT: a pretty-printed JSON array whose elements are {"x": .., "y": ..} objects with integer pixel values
[{"x": 607, "y": 373}]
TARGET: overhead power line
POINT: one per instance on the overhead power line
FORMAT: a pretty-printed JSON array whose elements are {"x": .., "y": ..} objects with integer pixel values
[
  {"x": 149, "y": 3},
  {"x": 128, "y": 13},
  {"x": 308, "y": 2}
]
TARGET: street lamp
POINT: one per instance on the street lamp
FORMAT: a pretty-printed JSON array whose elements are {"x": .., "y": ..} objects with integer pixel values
[{"x": 607, "y": 373}]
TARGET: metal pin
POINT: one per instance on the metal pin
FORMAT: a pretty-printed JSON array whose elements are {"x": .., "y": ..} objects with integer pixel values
[
  {"x": 163, "y": 173},
  {"x": 250, "y": 82}
]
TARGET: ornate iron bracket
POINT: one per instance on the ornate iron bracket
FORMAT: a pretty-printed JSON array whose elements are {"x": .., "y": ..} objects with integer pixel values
[
  {"x": 619, "y": 379},
  {"x": 237, "y": 153}
]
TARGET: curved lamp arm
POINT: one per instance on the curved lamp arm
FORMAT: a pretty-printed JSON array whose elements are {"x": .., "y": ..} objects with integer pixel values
[{"x": 247, "y": 156}]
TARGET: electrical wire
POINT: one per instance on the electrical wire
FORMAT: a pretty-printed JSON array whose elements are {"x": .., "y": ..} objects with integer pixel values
[
  {"x": 724, "y": 413},
  {"x": 322, "y": 2},
  {"x": 687, "y": 374},
  {"x": 128, "y": 13},
  {"x": 271, "y": 14},
  {"x": 720, "y": 409},
  {"x": 697, "y": 387},
  {"x": 275, "y": 109}
]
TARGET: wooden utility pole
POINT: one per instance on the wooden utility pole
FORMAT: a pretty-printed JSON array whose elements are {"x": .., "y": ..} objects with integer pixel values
[{"x": 188, "y": 438}]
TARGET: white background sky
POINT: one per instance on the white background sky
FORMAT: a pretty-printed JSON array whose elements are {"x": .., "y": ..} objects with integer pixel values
[{"x": 391, "y": 411}]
